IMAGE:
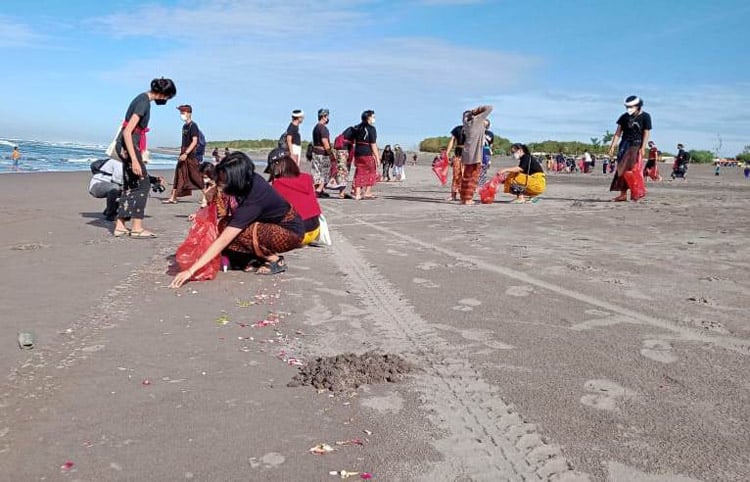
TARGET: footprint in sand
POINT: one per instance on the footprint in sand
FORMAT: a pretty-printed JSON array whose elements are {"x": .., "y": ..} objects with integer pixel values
[
  {"x": 427, "y": 265},
  {"x": 467, "y": 304},
  {"x": 393, "y": 252},
  {"x": 425, "y": 282},
  {"x": 658, "y": 350},
  {"x": 605, "y": 394},
  {"x": 269, "y": 461},
  {"x": 519, "y": 291}
]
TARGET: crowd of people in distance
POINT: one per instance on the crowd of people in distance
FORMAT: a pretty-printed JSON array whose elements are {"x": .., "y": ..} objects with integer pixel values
[{"x": 259, "y": 219}]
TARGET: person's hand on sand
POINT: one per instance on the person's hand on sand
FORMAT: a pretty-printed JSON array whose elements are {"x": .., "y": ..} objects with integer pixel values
[{"x": 181, "y": 278}]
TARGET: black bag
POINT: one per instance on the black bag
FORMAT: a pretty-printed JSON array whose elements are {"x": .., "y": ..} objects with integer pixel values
[
  {"x": 282, "y": 141},
  {"x": 309, "y": 152},
  {"x": 96, "y": 166}
]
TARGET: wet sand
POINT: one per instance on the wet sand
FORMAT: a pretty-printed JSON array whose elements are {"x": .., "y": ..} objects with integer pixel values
[{"x": 571, "y": 339}]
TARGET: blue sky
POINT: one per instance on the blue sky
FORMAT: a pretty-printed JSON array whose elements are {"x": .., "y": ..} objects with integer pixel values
[{"x": 552, "y": 69}]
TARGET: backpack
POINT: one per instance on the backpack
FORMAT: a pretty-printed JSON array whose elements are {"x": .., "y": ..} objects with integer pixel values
[
  {"x": 96, "y": 166},
  {"x": 343, "y": 141},
  {"x": 282, "y": 141},
  {"x": 200, "y": 149},
  {"x": 309, "y": 152}
]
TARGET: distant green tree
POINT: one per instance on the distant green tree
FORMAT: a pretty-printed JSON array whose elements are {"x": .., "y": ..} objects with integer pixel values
[
  {"x": 607, "y": 137},
  {"x": 744, "y": 156},
  {"x": 596, "y": 142},
  {"x": 701, "y": 156}
]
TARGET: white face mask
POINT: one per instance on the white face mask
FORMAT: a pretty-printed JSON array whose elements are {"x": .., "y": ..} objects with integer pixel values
[
  {"x": 518, "y": 155},
  {"x": 183, "y": 117},
  {"x": 632, "y": 110}
]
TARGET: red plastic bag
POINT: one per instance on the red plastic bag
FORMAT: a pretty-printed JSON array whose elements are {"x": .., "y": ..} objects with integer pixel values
[
  {"x": 440, "y": 168},
  {"x": 203, "y": 232},
  {"x": 488, "y": 191},
  {"x": 635, "y": 181}
]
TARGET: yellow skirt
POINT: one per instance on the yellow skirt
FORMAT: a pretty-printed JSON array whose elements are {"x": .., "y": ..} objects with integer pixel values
[
  {"x": 310, "y": 236},
  {"x": 537, "y": 183}
]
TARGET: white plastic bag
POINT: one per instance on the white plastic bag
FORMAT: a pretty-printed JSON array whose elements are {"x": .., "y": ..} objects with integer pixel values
[
  {"x": 112, "y": 149},
  {"x": 324, "y": 237}
]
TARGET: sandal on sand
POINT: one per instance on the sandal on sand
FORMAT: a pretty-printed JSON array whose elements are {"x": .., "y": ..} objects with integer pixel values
[
  {"x": 272, "y": 267},
  {"x": 119, "y": 233},
  {"x": 143, "y": 234}
]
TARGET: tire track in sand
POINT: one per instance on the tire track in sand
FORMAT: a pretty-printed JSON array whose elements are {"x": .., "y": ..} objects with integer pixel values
[
  {"x": 733, "y": 343},
  {"x": 486, "y": 438}
]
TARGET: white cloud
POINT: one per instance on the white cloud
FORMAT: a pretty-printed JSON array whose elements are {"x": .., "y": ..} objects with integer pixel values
[
  {"x": 693, "y": 116},
  {"x": 230, "y": 21},
  {"x": 16, "y": 34}
]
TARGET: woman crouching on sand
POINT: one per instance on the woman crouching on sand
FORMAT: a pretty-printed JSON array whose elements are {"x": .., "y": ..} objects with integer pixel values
[
  {"x": 527, "y": 180},
  {"x": 130, "y": 146},
  {"x": 255, "y": 223},
  {"x": 298, "y": 189}
]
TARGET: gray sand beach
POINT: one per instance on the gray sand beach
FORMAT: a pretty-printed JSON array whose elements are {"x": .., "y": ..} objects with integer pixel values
[{"x": 572, "y": 339}]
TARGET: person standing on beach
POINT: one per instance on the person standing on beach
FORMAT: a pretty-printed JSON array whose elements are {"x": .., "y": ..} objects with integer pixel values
[
  {"x": 456, "y": 142},
  {"x": 215, "y": 155},
  {"x": 399, "y": 163},
  {"x": 388, "y": 162},
  {"x": 489, "y": 140},
  {"x": 366, "y": 156},
  {"x": 130, "y": 146},
  {"x": 323, "y": 156},
  {"x": 652, "y": 168},
  {"x": 187, "y": 173},
  {"x": 15, "y": 156},
  {"x": 293, "y": 139},
  {"x": 634, "y": 128},
  {"x": 471, "y": 158}
]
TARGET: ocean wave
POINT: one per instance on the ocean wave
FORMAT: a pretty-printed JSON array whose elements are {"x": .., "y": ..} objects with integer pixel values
[
  {"x": 7, "y": 143},
  {"x": 81, "y": 160}
]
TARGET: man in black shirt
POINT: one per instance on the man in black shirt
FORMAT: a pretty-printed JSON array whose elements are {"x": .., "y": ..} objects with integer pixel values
[
  {"x": 293, "y": 139},
  {"x": 187, "y": 175},
  {"x": 634, "y": 128},
  {"x": 323, "y": 155},
  {"x": 679, "y": 169},
  {"x": 457, "y": 142}
]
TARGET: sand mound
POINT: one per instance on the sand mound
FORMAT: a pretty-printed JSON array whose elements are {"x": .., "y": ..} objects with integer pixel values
[{"x": 350, "y": 371}]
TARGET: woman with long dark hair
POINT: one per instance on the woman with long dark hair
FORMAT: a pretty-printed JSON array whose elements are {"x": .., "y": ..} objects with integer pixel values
[
  {"x": 365, "y": 156},
  {"x": 256, "y": 224},
  {"x": 130, "y": 147}
]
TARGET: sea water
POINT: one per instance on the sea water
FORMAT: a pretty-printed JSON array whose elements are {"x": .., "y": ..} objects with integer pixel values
[{"x": 43, "y": 156}]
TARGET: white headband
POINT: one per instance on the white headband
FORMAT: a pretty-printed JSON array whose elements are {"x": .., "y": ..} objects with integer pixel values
[
  {"x": 298, "y": 113},
  {"x": 633, "y": 103}
]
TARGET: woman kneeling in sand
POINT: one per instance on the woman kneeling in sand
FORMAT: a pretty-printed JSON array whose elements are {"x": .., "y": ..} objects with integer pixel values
[
  {"x": 525, "y": 180},
  {"x": 256, "y": 224}
]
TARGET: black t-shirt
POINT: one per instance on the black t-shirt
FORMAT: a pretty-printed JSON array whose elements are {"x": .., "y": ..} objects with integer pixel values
[
  {"x": 141, "y": 106},
  {"x": 529, "y": 165},
  {"x": 458, "y": 134},
  {"x": 633, "y": 127},
  {"x": 264, "y": 205},
  {"x": 293, "y": 131},
  {"x": 364, "y": 136},
  {"x": 188, "y": 132},
  {"x": 320, "y": 132},
  {"x": 387, "y": 157}
]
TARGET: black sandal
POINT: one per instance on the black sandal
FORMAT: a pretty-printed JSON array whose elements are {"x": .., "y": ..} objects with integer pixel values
[{"x": 272, "y": 267}]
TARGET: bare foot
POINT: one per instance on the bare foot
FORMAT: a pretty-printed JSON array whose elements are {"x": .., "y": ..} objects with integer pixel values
[{"x": 620, "y": 198}]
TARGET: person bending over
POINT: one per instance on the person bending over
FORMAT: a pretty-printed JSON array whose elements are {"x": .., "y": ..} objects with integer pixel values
[
  {"x": 256, "y": 224},
  {"x": 527, "y": 180},
  {"x": 297, "y": 189}
]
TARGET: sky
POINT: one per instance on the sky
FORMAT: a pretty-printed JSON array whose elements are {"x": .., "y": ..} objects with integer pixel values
[{"x": 552, "y": 69}]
